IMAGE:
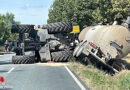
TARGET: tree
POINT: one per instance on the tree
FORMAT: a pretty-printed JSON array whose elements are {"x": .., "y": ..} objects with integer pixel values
[
  {"x": 89, "y": 12},
  {"x": 76, "y": 11},
  {"x": 6, "y": 21},
  {"x": 2, "y": 28},
  {"x": 102, "y": 13},
  {"x": 83, "y": 12},
  {"x": 121, "y": 9}
]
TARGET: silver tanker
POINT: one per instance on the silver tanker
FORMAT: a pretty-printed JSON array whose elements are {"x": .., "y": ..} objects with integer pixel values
[{"x": 105, "y": 42}]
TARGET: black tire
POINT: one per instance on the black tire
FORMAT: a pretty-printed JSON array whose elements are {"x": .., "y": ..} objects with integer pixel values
[
  {"x": 22, "y": 28},
  {"x": 60, "y": 27},
  {"x": 61, "y": 56},
  {"x": 118, "y": 64},
  {"x": 23, "y": 59}
]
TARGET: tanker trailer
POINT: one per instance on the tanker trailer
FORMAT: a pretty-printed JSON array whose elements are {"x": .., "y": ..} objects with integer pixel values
[{"x": 106, "y": 43}]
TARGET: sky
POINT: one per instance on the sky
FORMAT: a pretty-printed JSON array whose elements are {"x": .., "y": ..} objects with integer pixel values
[{"x": 27, "y": 11}]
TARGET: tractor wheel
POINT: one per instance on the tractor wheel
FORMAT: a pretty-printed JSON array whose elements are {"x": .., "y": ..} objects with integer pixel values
[
  {"x": 60, "y": 27},
  {"x": 61, "y": 56},
  {"x": 22, "y": 28},
  {"x": 118, "y": 65},
  {"x": 23, "y": 59}
]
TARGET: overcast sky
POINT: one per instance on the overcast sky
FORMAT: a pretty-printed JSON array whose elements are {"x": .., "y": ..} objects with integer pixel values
[{"x": 27, "y": 11}]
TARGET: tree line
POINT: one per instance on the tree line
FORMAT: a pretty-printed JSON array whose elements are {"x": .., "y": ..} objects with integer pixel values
[
  {"x": 89, "y": 12},
  {"x": 6, "y": 21},
  {"x": 79, "y": 12}
]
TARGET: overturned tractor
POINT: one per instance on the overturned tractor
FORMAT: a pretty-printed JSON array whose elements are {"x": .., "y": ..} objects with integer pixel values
[{"x": 51, "y": 42}]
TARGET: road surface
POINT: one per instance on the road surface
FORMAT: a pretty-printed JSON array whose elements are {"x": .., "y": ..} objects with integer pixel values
[{"x": 38, "y": 76}]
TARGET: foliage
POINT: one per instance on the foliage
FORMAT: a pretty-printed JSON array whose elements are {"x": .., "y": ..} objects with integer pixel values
[
  {"x": 6, "y": 21},
  {"x": 121, "y": 9},
  {"x": 89, "y": 12}
]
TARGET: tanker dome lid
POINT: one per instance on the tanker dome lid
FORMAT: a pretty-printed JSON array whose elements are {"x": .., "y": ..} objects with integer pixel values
[{"x": 128, "y": 20}]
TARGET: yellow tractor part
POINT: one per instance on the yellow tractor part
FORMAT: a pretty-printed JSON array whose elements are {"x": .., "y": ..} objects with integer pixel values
[{"x": 75, "y": 29}]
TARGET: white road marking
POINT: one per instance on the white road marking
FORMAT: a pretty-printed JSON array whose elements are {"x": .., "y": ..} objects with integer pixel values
[
  {"x": 74, "y": 77},
  {"x": 10, "y": 70}
]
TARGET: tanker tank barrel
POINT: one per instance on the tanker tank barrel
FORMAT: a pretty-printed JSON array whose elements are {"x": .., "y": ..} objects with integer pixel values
[{"x": 113, "y": 41}]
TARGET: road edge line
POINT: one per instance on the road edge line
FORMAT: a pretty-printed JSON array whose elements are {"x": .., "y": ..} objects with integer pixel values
[
  {"x": 75, "y": 79},
  {"x": 10, "y": 70}
]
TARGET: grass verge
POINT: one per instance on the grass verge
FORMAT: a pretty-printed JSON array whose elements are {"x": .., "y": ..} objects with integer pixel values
[{"x": 99, "y": 80}]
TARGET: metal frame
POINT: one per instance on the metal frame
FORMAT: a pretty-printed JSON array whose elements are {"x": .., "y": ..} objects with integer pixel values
[{"x": 102, "y": 59}]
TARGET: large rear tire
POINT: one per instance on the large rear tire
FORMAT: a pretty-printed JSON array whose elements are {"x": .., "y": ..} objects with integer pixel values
[
  {"x": 25, "y": 59},
  {"x": 61, "y": 56},
  {"x": 22, "y": 28},
  {"x": 117, "y": 64},
  {"x": 60, "y": 27}
]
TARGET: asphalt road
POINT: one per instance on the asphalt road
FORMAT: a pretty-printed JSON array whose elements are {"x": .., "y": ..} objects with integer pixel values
[{"x": 38, "y": 76}]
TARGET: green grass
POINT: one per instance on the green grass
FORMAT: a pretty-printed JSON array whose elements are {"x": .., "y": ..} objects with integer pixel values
[
  {"x": 124, "y": 82},
  {"x": 99, "y": 80}
]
